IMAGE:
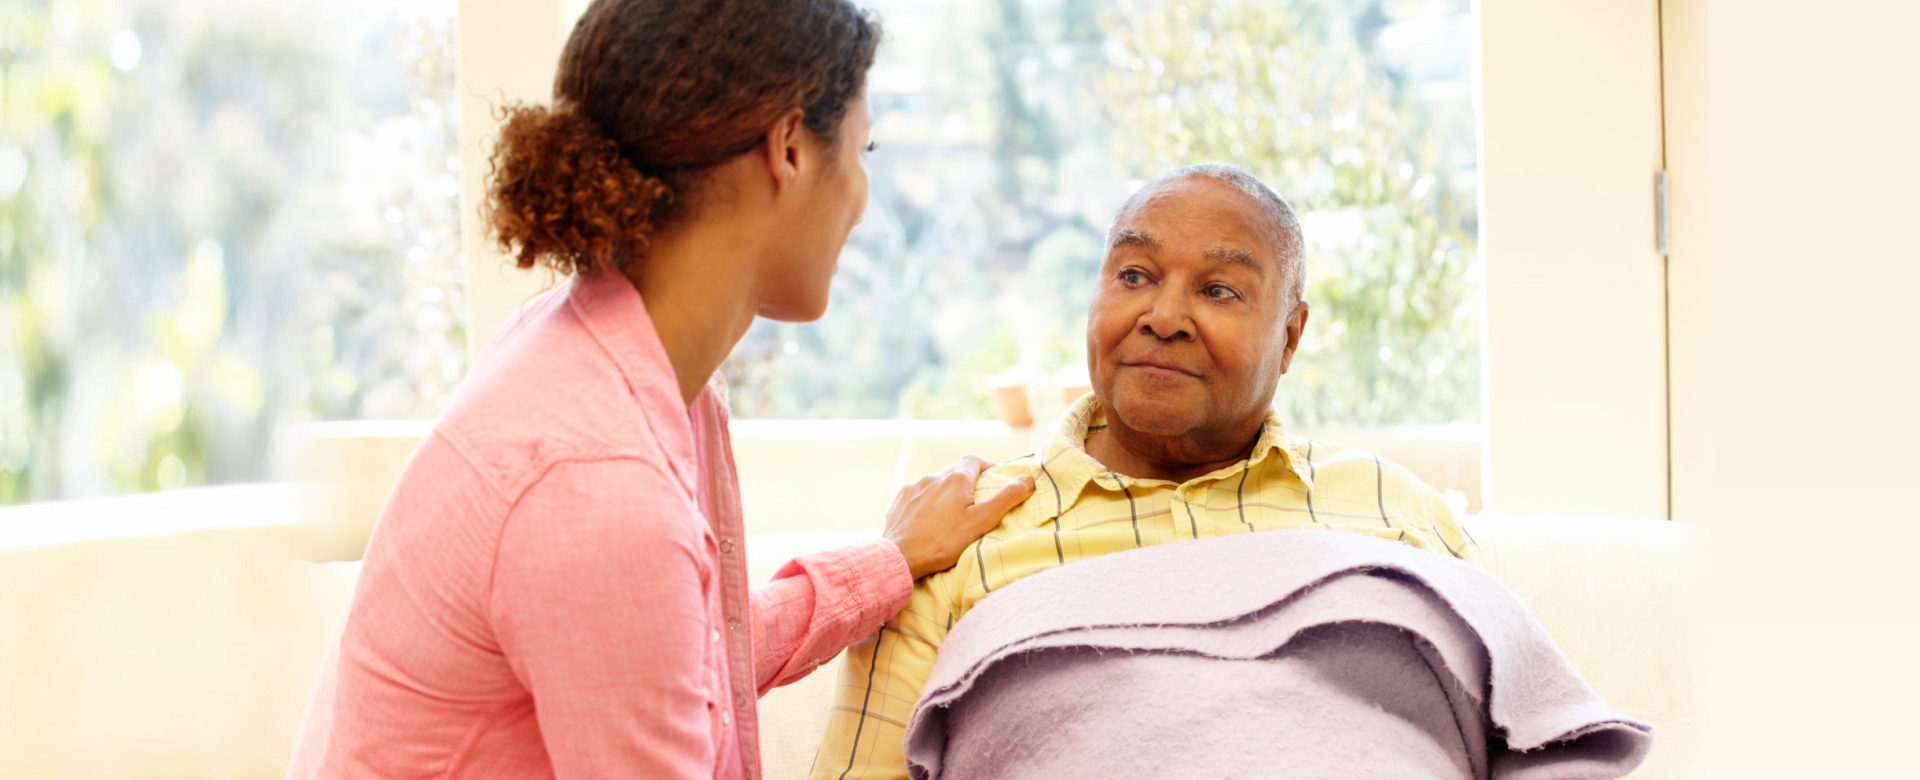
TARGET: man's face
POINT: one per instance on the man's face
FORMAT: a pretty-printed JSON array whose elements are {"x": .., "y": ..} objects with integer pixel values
[{"x": 1191, "y": 324}]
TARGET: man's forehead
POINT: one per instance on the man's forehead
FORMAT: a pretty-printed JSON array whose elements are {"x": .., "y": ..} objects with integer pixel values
[
  {"x": 1194, "y": 204},
  {"x": 1224, "y": 251},
  {"x": 1219, "y": 226}
]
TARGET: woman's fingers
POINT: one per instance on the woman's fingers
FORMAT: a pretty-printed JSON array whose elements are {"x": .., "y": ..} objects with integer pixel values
[
  {"x": 968, "y": 469},
  {"x": 934, "y": 519},
  {"x": 1009, "y": 496}
]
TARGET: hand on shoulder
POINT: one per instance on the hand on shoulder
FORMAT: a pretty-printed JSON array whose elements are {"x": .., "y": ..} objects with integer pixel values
[{"x": 933, "y": 520}]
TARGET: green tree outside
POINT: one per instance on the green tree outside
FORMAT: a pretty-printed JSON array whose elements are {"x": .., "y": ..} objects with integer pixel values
[
  {"x": 1011, "y": 130},
  {"x": 216, "y": 219}
]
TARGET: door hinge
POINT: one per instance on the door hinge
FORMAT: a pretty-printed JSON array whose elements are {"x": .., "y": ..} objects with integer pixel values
[{"x": 1660, "y": 214}]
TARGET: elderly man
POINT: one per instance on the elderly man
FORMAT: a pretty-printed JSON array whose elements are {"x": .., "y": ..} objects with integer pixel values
[{"x": 1195, "y": 317}]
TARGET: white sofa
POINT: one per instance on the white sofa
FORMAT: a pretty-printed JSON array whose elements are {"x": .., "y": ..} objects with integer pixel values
[
  {"x": 1617, "y": 596},
  {"x": 188, "y": 650}
]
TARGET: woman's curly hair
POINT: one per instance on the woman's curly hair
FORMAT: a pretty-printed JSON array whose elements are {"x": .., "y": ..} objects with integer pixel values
[{"x": 650, "y": 94}]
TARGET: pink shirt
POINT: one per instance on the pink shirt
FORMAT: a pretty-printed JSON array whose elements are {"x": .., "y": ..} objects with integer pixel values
[{"x": 557, "y": 587}]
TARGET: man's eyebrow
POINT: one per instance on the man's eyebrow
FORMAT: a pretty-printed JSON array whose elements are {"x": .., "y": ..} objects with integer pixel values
[
  {"x": 1236, "y": 256},
  {"x": 1135, "y": 238}
]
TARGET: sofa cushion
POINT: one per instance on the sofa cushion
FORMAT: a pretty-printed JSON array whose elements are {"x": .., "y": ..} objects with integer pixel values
[{"x": 1620, "y": 599}]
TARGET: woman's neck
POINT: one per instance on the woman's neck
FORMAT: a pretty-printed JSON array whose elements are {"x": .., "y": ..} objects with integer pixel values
[{"x": 700, "y": 295}]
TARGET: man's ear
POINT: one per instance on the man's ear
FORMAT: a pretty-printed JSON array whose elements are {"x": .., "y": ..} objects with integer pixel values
[
  {"x": 782, "y": 150},
  {"x": 1296, "y": 324}
]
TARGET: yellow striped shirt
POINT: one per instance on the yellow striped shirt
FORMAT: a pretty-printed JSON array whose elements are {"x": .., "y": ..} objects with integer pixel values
[{"x": 1080, "y": 509}]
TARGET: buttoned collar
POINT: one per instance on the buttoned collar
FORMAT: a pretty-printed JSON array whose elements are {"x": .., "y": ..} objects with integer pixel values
[{"x": 1068, "y": 468}]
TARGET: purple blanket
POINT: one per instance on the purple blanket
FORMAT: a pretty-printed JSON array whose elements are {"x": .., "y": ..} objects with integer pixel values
[{"x": 1298, "y": 654}]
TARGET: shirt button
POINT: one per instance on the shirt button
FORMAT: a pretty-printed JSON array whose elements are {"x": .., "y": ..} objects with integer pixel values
[
  {"x": 726, "y": 717},
  {"x": 733, "y": 624},
  {"x": 716, "y": 636},
  {"x": 740, "y": 700},
  {"x": 726, "y": 546}
]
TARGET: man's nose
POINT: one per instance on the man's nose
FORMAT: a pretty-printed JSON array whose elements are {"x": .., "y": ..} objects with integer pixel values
[{"x": 1169, "y": 319}]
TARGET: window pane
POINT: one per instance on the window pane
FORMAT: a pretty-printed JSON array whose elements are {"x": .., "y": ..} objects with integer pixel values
[
  {"x": 1010, "y": 131},
  {"x": 220, "y": 217}
]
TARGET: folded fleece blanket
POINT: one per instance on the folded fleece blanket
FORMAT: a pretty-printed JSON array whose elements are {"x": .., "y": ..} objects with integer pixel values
[{"x": 1296, "y": 654}]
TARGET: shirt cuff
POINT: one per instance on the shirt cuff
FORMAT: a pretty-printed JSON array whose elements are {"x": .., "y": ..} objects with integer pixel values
[
  {"x": 876, "y": 574},
  {"x": 850, "y": 593}
]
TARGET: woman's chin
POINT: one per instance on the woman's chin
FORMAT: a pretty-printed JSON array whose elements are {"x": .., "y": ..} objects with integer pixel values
[{"x": 795, "y": 311}]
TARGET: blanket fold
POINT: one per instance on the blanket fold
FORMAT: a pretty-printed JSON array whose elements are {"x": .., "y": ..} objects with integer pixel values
[{"x": 1303, "y": 654}]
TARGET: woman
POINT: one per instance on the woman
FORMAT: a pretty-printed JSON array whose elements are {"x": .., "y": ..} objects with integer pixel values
[{"x": 556, "y": 587}]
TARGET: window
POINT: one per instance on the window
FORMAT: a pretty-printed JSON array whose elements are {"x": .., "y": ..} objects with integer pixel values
[
  {"x": 219, "y": 218},
  {"x": 1009, "y": 132}
]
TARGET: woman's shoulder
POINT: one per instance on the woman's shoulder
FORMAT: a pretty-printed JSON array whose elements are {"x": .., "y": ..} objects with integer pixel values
[{"x": 547, "y": 395}]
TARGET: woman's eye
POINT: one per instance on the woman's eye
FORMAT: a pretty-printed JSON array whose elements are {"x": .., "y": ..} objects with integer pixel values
[{"x": 872, "y": 145}]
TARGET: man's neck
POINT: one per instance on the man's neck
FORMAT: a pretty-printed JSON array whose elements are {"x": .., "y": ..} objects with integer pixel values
[{"x": 1139, "y": 455}]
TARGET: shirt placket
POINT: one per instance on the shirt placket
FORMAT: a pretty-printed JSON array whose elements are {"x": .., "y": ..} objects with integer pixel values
[
  {"x": 727, "y": 745},
  {"x": 738, "y": 635},
  {"x": 732, "y": 616}
]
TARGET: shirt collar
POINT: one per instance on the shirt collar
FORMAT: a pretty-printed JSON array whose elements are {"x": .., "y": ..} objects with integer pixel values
[
  {"x": 1069, "y": 467},
  {"x": 613, "y": 312}
]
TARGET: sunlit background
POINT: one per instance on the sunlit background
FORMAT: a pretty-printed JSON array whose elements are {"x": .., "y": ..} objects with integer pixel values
[
  {"x": 238, "y": 279},
  {"x": 223, "y": 219},
  {"x": 220, "y": 218},
  {"x": 1009, "y": 132}
]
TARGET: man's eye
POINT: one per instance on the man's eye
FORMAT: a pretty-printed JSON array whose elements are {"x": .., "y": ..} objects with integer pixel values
[
  {"x": 1131, "y": 276},
  {"x": 1219, "y": 292}
]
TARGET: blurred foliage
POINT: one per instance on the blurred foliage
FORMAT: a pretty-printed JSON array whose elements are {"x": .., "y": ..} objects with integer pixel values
[
  {"x": 1010, "y": 131},
  {"x": 218, "y": 218}
]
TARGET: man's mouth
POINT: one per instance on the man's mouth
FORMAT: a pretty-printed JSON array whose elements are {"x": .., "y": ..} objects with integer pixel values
[{"x": 1156, "y": 366}]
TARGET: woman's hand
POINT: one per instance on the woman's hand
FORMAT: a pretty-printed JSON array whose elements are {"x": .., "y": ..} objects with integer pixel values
[{"x": 933, "y": 520}]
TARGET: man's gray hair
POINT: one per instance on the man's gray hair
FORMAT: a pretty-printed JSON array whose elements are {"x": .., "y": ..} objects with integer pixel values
[{"x": 1289, "y": 245}]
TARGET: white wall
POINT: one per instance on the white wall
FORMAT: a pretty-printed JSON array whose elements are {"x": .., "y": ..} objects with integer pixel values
[
  {"x": 1794, "y": 143},
  {"x": 1575, "y": 332},
  {"x": 508, "y": 49}
]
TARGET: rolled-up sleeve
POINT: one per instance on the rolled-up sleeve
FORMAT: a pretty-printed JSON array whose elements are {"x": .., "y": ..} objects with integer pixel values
[
  {"x": 817, "y": 605},
  {"x": 599, "y": 602}
]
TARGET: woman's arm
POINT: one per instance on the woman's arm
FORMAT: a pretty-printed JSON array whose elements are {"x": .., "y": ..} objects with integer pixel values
[{"x": 819, "y": 604}]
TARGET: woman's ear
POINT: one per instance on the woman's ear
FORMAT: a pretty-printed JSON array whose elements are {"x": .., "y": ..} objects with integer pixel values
[{"x": 783, "y": 149}]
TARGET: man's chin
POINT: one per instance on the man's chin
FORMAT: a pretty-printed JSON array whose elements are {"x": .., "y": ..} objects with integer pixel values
[{"x": 1155, "y": 415}]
